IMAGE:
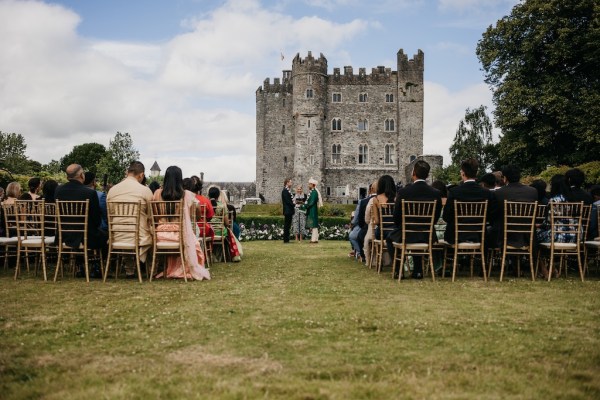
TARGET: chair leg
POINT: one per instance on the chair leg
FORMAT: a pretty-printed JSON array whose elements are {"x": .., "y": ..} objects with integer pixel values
[
  {"x": 579, "y": 265},
  {"x": 550, "y": 265},
  {"x": 503, "y": 264},
  {"x": 394, "y": 262},
  {"x": 483, "y": 265},
  {"x": 43, "y": 257},
  {"x": 531, "y": 266},
  {"x": 152, "y": 266},
  {"x": 137, "y": 263},
  {"x": 402, "y": 260},
  {"x": 454, "y": 265},
  {"x": 18, "y": 262},
  {"x": 431, "y": 266}
]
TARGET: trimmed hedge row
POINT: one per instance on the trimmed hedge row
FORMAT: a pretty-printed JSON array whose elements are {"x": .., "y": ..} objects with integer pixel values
[{"x": 260, "y": 220}]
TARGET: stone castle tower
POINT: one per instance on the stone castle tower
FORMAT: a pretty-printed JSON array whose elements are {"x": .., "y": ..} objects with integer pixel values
[{"x": 344, "y": 130}]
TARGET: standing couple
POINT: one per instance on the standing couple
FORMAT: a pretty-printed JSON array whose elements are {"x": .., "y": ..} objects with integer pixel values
[{"x": 310, "y": 207}]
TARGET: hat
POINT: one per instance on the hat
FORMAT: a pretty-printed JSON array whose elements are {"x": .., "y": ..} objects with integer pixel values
[{"x": 313, "y": 181}]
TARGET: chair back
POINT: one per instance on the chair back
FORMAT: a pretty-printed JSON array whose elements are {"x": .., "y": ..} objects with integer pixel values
[
  {"x": 167, "y": 216},
  {"x": 217, "y": 222},
  {"x": 519, "y": 223},
  {"x": 50, "y": 219},
  {"x": 565, "y": 222},
  {"x": 386, "y": 219},
  {"x": 30, "y": 218},
  {"x": 586, "y": 213},
  {"x": 469, "y": 221},
  {"x": 541, "y": 214},
  {"x": 10, "y": 219},
  {"x": 72, "y": 221},
  {"x": 418, "y": 219},
  {"x": 124, "y": 222}
]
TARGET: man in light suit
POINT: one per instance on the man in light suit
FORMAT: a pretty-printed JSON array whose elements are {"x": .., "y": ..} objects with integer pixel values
[
  {"x": 419, "y": 190},
  {"x": 131, "y": 189}
]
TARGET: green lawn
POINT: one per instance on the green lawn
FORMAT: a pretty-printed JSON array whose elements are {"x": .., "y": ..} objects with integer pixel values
[{"x": 299, "y": 322}]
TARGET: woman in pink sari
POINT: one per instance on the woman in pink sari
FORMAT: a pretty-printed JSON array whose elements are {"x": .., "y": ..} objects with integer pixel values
[{"x": 173, "y": 190}]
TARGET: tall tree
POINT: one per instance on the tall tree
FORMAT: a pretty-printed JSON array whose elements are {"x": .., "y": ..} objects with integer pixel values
[
  {"x": 87, "y": 155},
  {"x": 12, "y": 153},
  {"x": 542, "y": 62},
  {"x": 473, "y": 139},
  {"x": 119, "y": 155}
]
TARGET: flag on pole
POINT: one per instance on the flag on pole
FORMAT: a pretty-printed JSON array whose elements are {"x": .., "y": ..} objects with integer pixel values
[{"x": 282, "y": 57}]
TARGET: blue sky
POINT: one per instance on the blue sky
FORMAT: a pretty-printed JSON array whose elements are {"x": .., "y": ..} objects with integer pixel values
[{"x": 180, "y": 75}]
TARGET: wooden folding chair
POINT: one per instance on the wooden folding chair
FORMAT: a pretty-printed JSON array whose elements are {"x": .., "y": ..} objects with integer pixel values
[
  {"x": 469, "y": 219},
  {"x": 72, "y": 219},
  {"x": 418, "y": 218},
  {"x": 205, "y": 241},
  {"x": 32, "y": 235},
  {"x": 385, "y": 214},
  {"x": 218, "y": 225},
  {"x": 565, "y": 222},
  {"x": 592, "y": 246},
  {"x": 10, "y": 241},
  {"x": 167, "y": 220},
  {"x": 123, "y": 234},
  {"x": 519, "y": 220}
]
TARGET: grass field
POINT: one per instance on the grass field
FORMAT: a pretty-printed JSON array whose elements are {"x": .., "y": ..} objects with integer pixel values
[{"x": 299, "y": 321}]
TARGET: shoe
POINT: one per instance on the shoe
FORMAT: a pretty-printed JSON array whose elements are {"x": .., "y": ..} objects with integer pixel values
[
  {"x": 352, "y": 254},
  {"x": 417, "y": 276}
]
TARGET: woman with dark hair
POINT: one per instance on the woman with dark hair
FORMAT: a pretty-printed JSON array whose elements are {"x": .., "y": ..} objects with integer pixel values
[
  {"x": 210, "y": 211},
  {"x": 540, "y": 186},
  {"x": 173, "y": 190},
  {"x": 386, "y": 193},
  {"x": 154, "y": 186},
  {"x": 559, "y": 192},
  {"x": 219, "y": 204},
  {"x": 48, "y": 190}
]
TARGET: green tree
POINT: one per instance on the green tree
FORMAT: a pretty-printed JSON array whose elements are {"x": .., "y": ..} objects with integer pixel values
[
  {"x": 87, "y": 155},
  {"x": 119, "y": 155},
  {"x": 53, "y": 167},
  {"x": 473, "y": 139},
  {"x": 12, "y": 153},
  {"x": 542, "y": 63}
]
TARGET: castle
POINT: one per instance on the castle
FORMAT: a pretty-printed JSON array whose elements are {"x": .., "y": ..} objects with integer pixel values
[{"x": 345, "y": 130}]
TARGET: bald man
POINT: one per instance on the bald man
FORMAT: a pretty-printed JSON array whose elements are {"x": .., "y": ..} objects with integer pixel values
[{"x": 74, "y": 190}]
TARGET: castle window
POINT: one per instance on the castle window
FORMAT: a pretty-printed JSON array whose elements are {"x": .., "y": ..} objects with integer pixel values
[
  {"x": 309, "y": 93},
  {"x": 363, "y": 125},
  {"x": 282, "y": 129},
  {"x": 363, "y": 154},
  {"x": 309, "y": 79},
  {"x": 284, "y": 162},
  {"x": 390, "y": 125},
  {"x": 283, "y": 105},
  {"x": 362, "y": 98},
  {"x": 389, "y": 98},
  {"x": 312, "y": 160},
  {"x": 309, "y": 123},
  {"x": 413, "y": 158},
  {"x": 389, "y": 154},
  {"x": 336, "y": 97},
  {"x": 340, "y": 191},
  {"x": 336, "y": 154},
  {"x": 336, "y": 124},
  {"x": 328, "y": 191}
]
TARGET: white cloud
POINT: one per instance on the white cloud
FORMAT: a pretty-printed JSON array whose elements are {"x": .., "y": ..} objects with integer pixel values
[
  {"x": 474, "y": 6},
  {"x": 443, "y": 112}
]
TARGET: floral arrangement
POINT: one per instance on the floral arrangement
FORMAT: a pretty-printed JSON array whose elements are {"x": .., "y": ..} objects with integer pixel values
[{"x": 275, "y": 232}]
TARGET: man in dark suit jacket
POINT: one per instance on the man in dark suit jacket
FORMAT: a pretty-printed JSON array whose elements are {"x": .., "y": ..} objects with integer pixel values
[
  {"x": 469, "y": 190},
  {"x": 288, "y": 208},
  {"x": 419, "y": 190},
  {"x": 512, "y": 190},
  {"x": 74, "y": 190}
]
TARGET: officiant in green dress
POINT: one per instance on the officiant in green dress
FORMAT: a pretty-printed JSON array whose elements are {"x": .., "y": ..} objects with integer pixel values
[{"x": 311, "y": 207}]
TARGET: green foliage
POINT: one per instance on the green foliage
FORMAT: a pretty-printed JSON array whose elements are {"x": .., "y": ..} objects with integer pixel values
[
  {"x": 449, "y": 174},
  {"x": 88, "y": 155},
  {"x": 260, "y": 220},
  {"x": 53, "y": 167},
  {"x": 542, "y": 62},
  {"x": 473, "y": 139},
  {"x": 591, "y": 171},
  {"x": 12, "y": 153},
  {"x": 116, "y": 160},
  {"x": 549, "y": 172}
]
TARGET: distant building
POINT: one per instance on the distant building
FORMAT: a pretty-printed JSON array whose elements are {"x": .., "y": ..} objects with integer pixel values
[
  {"x": 154, "y": 170},
  {"x": 345, "y": 130}
]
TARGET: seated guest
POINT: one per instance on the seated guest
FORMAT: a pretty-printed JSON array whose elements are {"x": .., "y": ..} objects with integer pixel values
[
  {"x": 153, "y": 186},
  {"x": 540, "y": 186},
  {"x": 513, "y": 190},
  {"x": 469, "y": 190},
  {"x": 197, "y": 190},
  {"x": 594, "y": 233},
  {"x": 360, "y": 227},
  {"x": 575, "y": 178},
  {"x": 48, "y": 190},
  {"x": 499, "y": 180},
  {"x": 131, "y": 189},
  {"x": 386, "y": 193},
  {"x": 34, "y": 186},
  {"x": 222, "y": 213},
  {"x": 488, "y": 181},
  {"x": 26, "y": 196},
  {"x": 369, "y": 222},
  {"x": 173, "y": 190},
  {"x": 559, "y": 192},
  {"x": 13, "y": 192},
  {"x": 90, "y": 181},
  {"x": 419, "y": 190}
]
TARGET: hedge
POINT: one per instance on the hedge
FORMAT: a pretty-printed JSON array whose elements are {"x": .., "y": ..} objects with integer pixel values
[{"x": 260, "y": 220}]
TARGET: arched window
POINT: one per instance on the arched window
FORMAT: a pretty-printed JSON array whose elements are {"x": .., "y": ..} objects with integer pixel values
[
  {"x": 363, "y": 125},
  {"x": 336, "y": 154},
  {"x": 389, "y": 154},
  {"x": 336, "y": 97},
  {"x": 390, "y": 125},
  {"x": 363, "y": 154},
  {"x": 282, "y": 129},
  {"x": 389, "y": 98},
  {"x": 284, "y": 162},
  {"x": 362, "y": 98},
  {"x": 336, "y": 124},
  {"x": 309, "y": 93}
]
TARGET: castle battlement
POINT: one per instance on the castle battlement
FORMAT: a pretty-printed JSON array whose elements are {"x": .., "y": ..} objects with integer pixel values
[
  {"x": 275, "y": 87},
  {"x": 378, "y": 76},
  {"x": 310, "y": 60}
]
